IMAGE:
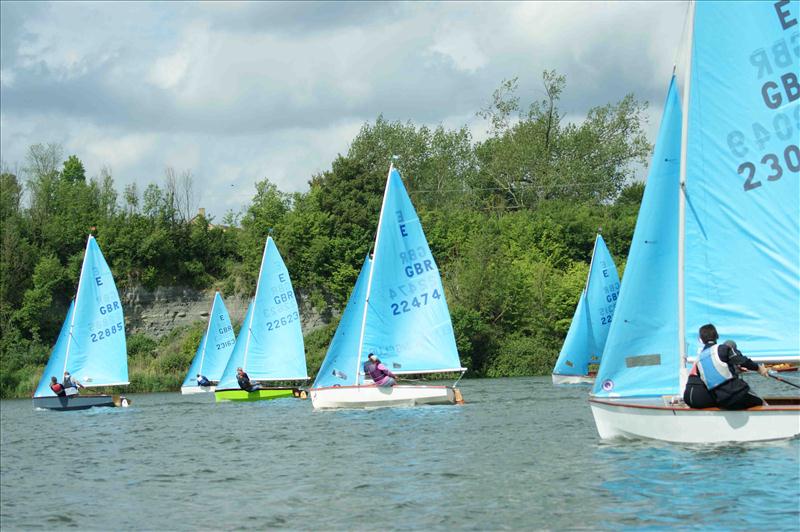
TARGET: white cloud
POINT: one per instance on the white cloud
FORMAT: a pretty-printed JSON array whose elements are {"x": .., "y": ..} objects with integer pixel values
[{"x": 241, "y": 92}]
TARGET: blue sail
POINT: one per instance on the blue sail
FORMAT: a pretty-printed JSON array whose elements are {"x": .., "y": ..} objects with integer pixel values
[
  {"x": 587, "y": 333},
  {"x": 407, "y": 320},
  {"x": 742, "y": 267},
  {"x": 342, "y": 356},
  {"x": 271, "y": 338},
  {"x": 215, "y": 347},
  {"x": 236, "y": 360},
  {"x": 579, "y": 343},
  {"x": 55, "y": 365},
  {"x": 96, "y": 352},
  {"x": 641, "y": 355}
]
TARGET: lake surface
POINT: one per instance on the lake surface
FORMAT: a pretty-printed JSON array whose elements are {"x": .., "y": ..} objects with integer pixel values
[{"x": 521, "y": 454}]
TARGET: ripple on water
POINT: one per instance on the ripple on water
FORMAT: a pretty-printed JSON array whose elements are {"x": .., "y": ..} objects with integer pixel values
[{"x": 520, "y": 454}]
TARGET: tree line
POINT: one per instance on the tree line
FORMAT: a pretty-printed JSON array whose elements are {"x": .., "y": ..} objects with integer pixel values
[{"x": 510, "y": 220}]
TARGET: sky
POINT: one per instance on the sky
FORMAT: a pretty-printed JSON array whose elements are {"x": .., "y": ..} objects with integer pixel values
[{"x": 239, "y": 92}]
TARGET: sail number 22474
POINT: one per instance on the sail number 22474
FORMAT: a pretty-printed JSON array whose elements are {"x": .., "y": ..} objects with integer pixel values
[{"x": 417, "y": 301}]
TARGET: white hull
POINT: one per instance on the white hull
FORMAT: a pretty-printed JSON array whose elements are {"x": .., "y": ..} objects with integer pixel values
[
  {"x": 572, "y": 379},
  {"x": 650, "y": 419},
  {"x": 371, "y": 396},
  {"x": 191, "y": 390}
]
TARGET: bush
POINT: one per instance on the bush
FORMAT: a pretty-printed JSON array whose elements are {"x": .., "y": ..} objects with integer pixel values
[{"x": 521, "y": 355}]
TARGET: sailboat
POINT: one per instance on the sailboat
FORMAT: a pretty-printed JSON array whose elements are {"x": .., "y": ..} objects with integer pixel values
[
  {"x": 91, "y": 345},
  {"x": 717, "y": 239},
  {"x": 270, "y": 344},
  {"x": 214, "y": 350},
  {"x": 397, "y": 311},
  {"x": 592, "y": 319}
]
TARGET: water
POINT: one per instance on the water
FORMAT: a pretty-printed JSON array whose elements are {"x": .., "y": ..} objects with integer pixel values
[{"x": 520, "y": 454}]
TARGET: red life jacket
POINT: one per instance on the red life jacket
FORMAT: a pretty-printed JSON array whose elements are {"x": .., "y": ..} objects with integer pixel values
[{"x": 57, "y": 387}]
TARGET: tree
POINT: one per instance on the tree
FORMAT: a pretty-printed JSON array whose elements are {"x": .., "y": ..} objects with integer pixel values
[{"x": 73, "y": 169}]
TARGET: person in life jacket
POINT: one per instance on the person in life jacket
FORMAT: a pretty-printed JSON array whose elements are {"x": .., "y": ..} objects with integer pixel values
[
  {"x": 379, "y": 373},
  {"x": 203, "y": 381},
  {"x": 244, "y": 381},
  {"x": 70, "y": 382},
  {"x": 717, "y": 366},
  {"x": 57, "y": 387}
]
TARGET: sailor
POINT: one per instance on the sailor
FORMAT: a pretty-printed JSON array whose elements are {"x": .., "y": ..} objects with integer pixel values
[
  {"x": 203, "y": 381},
  {"x": 718, "y": 366},
  {"x": 70, "y": 382},
  {"x": 57, "y": 388},
  {"x": 379, "y": 373},
  {"x": 244, "y": 381}
]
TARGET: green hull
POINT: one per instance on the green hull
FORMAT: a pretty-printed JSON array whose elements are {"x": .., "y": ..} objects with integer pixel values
[{"x": 263, "y": 394}]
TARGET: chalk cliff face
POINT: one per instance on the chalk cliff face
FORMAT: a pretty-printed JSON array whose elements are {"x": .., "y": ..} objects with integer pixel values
[{"x": 156, "y": 312}]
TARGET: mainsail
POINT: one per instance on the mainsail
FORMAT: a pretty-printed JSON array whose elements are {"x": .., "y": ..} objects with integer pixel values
[
  {"x": 91, "y": 345},
  {"x": 406, "y": 321},
  {"x": 270, "y": 344},
  {"x": 742, "y": 244},
  {"x": 718, "y": 235},
  {"x": 215, "y": 347},
  {"x": 593, "y": 315}
]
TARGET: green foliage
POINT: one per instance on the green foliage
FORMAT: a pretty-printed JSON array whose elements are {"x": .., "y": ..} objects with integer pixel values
[{"x": 511, "y": 221}]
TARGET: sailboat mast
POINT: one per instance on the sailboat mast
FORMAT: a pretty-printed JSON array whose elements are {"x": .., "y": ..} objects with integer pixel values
[
  {"x": 371, "y": 271},
  {"x": 75, "y": 310},
  {"x": 205, "y": 338},
  {"x": 255, "y": 302},
  {"x": 682, "y": 192}
]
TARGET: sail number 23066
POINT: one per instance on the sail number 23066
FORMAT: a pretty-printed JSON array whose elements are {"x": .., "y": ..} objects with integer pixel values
[
  {"x": 774, "y": 165},
  {"x": 108, "y": 331}
]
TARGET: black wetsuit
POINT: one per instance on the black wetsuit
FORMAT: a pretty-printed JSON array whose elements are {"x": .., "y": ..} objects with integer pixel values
[
  {"x": 244, "y": 382},
  {"x": 735, "y": 393},
  {"x": 696, "y": 395}
]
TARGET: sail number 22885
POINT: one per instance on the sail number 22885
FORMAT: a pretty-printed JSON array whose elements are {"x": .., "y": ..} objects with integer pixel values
[{"x": 102, "y": 334}]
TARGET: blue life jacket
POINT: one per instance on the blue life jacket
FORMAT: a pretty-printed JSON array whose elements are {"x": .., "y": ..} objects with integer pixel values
[{"x": 712, "y": 369}]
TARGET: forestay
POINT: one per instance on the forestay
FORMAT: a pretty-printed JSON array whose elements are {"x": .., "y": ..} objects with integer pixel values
[
  {"x": 406, "y": 321},
  {"x": 641, "y": 354},
  {"x": 215, "y": 347},
  {"x": 742, "y": 266},
  {"x": 592, "y": 319},
  {"x": 342, "y": 356},
  {"x": 270, "y": 344}
]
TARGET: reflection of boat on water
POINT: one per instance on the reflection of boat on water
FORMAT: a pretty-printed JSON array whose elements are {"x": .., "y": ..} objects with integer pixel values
[
  {"x": 716, "y": 239},
  {"x": 583, "y": 346},
  {"x": 270, "y": 345},
  {"x": 397, "y": 310},
  {"x": 91, "y": 344},
  {"x": 214, "y": 350}
]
